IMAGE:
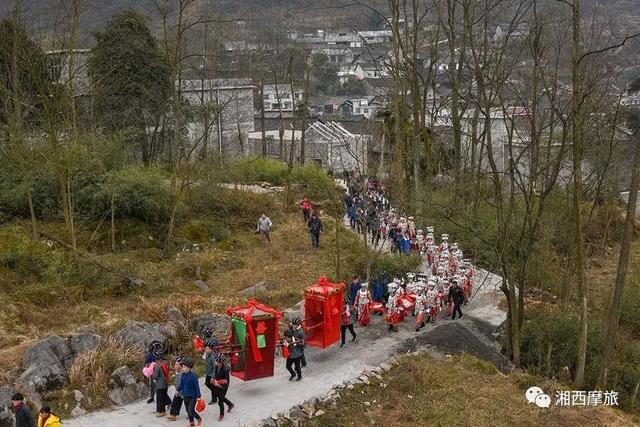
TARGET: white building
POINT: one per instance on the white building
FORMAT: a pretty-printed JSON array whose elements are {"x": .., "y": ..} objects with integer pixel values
[
  {"x": 507, "y": 126},
  {"x": 222, "y": 114},
  {"x": 365, "y": 106},
  {"x": 71, "y": 67},
  {"x": 273, "y": 143},
  {"x": 279, "y": 98}
]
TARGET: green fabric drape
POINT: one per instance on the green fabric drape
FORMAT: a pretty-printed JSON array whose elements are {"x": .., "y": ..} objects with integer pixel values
[{"x": 241, "y": 331}]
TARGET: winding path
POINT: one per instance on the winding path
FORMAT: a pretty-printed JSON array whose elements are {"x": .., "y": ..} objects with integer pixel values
[{"x": 259, "y": 399}]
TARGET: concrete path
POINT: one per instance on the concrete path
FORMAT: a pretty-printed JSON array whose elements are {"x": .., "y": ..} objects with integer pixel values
[
  {"x": 259, "y": 399},
  {"x": 254, "y": 188}
]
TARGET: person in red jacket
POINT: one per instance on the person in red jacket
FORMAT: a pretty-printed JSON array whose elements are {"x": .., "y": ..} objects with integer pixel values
[
  {"x": 305, "y": 205},
  {"x": 346, "y": 322}
]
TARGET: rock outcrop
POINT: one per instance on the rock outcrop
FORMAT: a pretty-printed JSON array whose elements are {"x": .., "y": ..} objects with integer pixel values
[
  {"x": 46, "y": 364},
  {"x": 141, "y": 334},
  {"x": 219, "y": 323},
  {"x": 124, "y": 388}
]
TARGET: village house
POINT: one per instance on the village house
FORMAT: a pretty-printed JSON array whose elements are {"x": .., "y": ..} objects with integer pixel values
[
  {"x": 273, "y": 140},
  {"x": 71, "y": 67},
  {"x": 222, "y": 114},
  {"x": 364, "y": 106},
  {"x": 279, "y": 97}
]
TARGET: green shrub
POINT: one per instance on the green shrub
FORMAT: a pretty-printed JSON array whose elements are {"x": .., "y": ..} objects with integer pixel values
[
  {"x": 238, "y": 209},
  {"x": 251, "y": 170},
  {"x": 560, "y": 329},
  {"x": 140, "y": 192},
  {"x": 20, "y": 255},
  {"x": 630, "y": 310},
  {"x": 203, "y": 230}
]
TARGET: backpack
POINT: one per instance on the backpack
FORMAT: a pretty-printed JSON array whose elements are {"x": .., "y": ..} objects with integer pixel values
[
  {"x": 165, "y": 371},
  {"x": 147, "y": 371}
]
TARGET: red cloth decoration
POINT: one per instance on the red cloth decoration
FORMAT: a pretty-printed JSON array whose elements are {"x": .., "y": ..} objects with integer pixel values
[
  {"x": 323, "y": 304},
  {"x": 198, "y": 344},
  {"x": 261, "y": 328}
]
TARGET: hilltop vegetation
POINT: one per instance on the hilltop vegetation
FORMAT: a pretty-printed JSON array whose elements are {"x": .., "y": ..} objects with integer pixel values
[{"x": 461, "y": 390}]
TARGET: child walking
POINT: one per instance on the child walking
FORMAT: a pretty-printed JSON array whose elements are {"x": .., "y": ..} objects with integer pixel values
[
  {"x": 176, "y": 403},
  {"x": 161, "y": 380},
  {"x": 189, "y": 389}
]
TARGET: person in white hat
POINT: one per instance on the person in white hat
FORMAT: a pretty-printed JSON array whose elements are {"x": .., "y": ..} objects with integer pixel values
[{"x": 363, "y": 298}]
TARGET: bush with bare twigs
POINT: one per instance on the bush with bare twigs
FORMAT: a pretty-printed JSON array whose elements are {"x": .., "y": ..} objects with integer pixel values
[{"x": 92, "y": 370}]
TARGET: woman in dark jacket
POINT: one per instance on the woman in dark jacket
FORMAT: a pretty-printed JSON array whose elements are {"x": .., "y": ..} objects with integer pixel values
[{"x": 220, "y": 383}]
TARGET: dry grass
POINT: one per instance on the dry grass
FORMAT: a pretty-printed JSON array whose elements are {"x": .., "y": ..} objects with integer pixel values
[
  {"x": 289, "y": 262},
  {"x": 457, "y": 391},
  {"x": 601, "y": 278},
  {"x": 91, "y": 370}
]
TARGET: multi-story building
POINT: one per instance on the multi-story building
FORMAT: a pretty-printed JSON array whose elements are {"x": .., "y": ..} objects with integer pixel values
[
  {"x": 222, "y": 114},
  {"x": 71, "y": 67},
  {"x": 279, "y": 97}
]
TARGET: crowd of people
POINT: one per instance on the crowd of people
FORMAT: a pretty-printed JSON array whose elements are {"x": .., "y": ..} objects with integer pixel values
[
  {"x": 370, "y": 214},
  {"x": 445, "y": 287}
]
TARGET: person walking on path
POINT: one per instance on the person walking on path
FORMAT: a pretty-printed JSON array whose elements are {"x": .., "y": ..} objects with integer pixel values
[
  {"x": 456, "y": 296},
  {"x": 161, "y": 380},
  {"x": 346, "y": 322},
  {"x": 264, "y": 227},
  {"x": 220, "y": 383},
  {"x": 353, "y": 289},
  {"x": 209, "y": 360},
  {"x": 352, "y": 214},
  {"x": 149, "y": 361},
  {"x": 46, "y": 418},
  {"x": 24, "y": 416},
  {"x": 363, "y": 298},
  {"x": 189, "y": 389},
  {"x": 296, "y": 341},
  {"x": 176, "y": 403},
  {"x": 305, "y": 206},
  {"x": 315, "y": 228}
]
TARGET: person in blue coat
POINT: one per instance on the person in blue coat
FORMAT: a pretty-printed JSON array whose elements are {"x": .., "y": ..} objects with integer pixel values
[
  {"x": 406, "y": 244},
  {"x": 189, "y": 389},
  {"x": 352, "y": 213},
  {"x": 378, "y": 289},
  {"x": 353, "y": 289}
]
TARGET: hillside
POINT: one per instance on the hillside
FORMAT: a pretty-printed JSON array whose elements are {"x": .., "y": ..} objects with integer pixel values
[
  {"x": 456, "y": 391},
  {"x": 43, "y": 16}
]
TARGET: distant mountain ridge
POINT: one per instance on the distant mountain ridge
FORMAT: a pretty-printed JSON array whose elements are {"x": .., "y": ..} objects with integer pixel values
[{"x": 42, "y": 17}]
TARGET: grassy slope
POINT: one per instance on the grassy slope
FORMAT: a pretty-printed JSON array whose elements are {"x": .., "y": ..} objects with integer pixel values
[
  {"x": 457, "y": 391},
  {"x": 289, "y": 263}
]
